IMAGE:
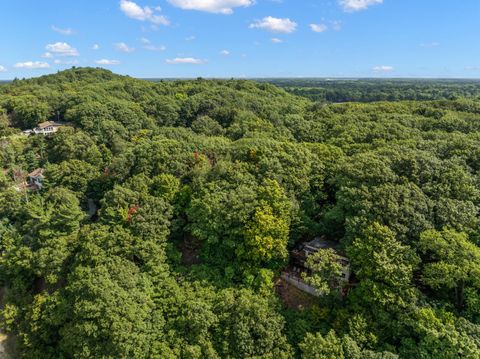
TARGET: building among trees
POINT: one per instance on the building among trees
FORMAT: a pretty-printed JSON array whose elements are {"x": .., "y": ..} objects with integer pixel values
[
  {"x": 299, "y": 266},
  {"x": 48, "y": 127},
  {"x": 35, "y": 179}
]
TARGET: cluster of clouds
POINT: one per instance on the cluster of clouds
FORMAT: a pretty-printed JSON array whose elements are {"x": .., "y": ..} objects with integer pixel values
[
  {"x": 64, "y": 53},
  {"x": 58, "y": 52},
  {"x": 125, "y": 48},
  {"x": 226, "y": 7}
]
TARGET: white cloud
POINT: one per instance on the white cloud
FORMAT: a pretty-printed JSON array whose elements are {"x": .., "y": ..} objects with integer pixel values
[
  {"x": 134, "y": 11},
  {"x": 3, "y": 68},
  {"x": 47, "y": 55},
  {"x": 214, "y": 6},
  {"x": 63, "y": 62},
  {"x": 107, "y": 62},
  {"x": 357, "y": 5},
  {"x": 96, "y": 47},
  {"x": 63, "y": 31},
  {"x": 145, "y": 41},
  {"x": 190, "y": 38},
  {"x": 318, "y": 27},
  {"x": 224, "y": 52},
  {"x": 32, "y": 65},
  {"x": 383, "y": 68},
  {"x": 276, "y": 40},
  {"x": 185, "y": 60},
  {"x": 123, "y": 47},
  {"x": 274, "y": 24},
  {"x": 62, "y": 49},
  {"x": 154, "y": 48}
]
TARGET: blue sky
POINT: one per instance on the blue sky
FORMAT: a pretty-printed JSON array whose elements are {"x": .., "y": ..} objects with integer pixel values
[{"x": 243, "y": 38}]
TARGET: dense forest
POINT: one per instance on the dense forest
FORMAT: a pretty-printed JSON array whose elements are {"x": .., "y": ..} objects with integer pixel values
[
  {"x": 169, "y": 210},
  {"x": 370, "y": 90}
]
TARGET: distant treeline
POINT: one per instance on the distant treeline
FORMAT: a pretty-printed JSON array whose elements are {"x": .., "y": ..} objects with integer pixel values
[{"x": 371, "y": 90}]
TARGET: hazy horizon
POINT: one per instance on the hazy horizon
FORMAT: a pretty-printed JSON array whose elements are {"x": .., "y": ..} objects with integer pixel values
[{"x": 324, "y": 78}]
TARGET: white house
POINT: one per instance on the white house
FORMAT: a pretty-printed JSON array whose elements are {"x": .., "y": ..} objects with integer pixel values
[{"x": 48, "y": 127}]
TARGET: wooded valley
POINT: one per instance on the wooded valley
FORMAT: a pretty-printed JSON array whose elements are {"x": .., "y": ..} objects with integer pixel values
[{"x": 159, "y": 218}]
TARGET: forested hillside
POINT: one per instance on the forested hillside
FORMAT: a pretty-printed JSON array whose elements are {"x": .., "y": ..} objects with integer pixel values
[{"x": 169, "y": 210}]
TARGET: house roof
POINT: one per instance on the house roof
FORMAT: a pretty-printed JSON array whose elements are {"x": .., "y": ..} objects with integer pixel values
[
  {"x": 45, "y": 124},
  {"x": 321, "y": 243},
  {"x": 36, "y": 173}
]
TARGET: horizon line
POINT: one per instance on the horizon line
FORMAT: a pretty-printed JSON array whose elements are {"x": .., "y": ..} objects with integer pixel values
[{"x": 325, "y": 78}]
